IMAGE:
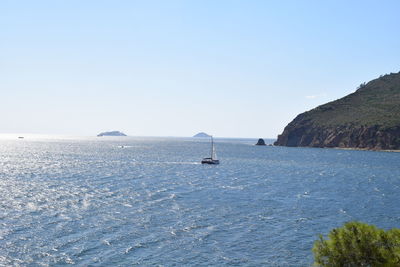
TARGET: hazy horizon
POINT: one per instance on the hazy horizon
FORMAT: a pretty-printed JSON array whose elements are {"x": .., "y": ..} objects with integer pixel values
[
  {"x": 176, "y": 68},
  {"x": 57, "y": 136}
]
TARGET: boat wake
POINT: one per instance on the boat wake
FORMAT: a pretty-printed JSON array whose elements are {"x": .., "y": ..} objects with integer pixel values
[
  {"x": 183, "y": 163},
  {"x": 170, "y": 162}
]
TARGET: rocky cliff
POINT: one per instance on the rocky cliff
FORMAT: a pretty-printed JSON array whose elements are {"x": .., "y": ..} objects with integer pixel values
[{"x": 368, "y": 118}]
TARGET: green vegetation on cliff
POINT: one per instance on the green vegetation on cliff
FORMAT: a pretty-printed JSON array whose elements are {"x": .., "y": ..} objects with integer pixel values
[
  {"x": 367, "y": 118},
  {"x": 374, "y": 103},
  {"x": 358, "y": 244}
]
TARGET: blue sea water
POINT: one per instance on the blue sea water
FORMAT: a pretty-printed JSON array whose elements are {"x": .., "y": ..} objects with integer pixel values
[{"x": 122, "y": 201}]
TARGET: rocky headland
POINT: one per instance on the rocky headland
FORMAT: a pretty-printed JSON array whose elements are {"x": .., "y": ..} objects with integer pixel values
[{"x": 369, "y": 118}]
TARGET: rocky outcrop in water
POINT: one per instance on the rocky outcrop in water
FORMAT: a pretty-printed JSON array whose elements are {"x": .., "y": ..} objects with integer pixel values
[
  {"x": 260, "y": 142},
  {"x": 368, "y": 119}
]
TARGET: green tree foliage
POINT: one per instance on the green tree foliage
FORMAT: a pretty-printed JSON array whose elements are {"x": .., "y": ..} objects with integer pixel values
[{"x": 358, "y": 244}]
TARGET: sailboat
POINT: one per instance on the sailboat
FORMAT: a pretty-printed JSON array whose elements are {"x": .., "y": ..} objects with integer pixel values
[{"x": 213, "y": 159}]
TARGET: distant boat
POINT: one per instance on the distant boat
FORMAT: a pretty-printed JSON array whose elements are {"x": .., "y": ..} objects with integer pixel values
[
  {"x": 20, "y": 137},
  {"x": 213, "y": 159}
]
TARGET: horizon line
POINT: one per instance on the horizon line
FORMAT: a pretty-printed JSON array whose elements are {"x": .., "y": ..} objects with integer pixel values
[{"x": 151, "y": 136}]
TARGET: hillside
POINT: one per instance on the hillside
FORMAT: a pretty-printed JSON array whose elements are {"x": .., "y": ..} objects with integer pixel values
[{"x": 368, "y": 118}]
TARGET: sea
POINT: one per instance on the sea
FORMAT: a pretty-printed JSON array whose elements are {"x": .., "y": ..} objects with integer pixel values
[{"x": 141, "y": 201}]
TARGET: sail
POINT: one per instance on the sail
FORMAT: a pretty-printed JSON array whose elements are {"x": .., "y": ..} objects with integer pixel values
[{"x": 213, "y": 153}]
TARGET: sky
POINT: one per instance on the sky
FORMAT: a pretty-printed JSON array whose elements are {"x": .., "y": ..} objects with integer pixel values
[{"x": 175, "y": 68}]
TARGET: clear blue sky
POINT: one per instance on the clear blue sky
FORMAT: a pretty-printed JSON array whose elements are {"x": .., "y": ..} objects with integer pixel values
[{"x": 174, "y": 68}]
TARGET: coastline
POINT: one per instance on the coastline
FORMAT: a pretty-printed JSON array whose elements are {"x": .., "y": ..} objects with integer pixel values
[
  {"x": 346, "y": 148},
  {"x": 366, "y": 149}
]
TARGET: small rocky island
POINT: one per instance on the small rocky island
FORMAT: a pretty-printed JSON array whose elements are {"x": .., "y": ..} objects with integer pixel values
[
  {"x": 260, "y": 142},
  {"x": 112, "y": 133},
  {"x": 369, "y": 118},
  {"x": 202, "y": 134}
]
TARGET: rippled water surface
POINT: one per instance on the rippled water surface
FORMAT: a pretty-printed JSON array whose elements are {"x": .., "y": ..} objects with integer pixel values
[{"x": 148, "y": 201}]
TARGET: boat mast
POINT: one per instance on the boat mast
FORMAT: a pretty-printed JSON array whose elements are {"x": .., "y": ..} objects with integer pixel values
[{"x": 212, "y": 147}]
